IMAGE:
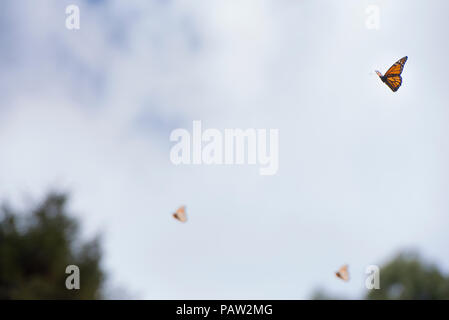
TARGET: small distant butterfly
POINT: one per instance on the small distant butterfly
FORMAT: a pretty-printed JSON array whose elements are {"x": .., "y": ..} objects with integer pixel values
[
  {"x": 343, "y": 273},
  {"x": 180, "y": 214},
  {"x": 392, "y": 77}
]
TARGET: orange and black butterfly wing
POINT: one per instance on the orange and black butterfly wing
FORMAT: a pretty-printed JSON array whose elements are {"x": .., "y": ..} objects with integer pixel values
[
  {"x": 180, "y": 214},
  {"x": 397, "y": 68},
  {"x": 393, "y": 82},
  {"x": 343, "y": 273},
  {"x": 393, "y": 77}
]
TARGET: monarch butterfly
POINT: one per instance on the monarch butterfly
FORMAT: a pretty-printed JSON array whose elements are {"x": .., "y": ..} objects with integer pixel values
[
  {"x": 343, "y": 273},
  {"x": 392, "y": 77},
  {"x": 180, "y": 214}
]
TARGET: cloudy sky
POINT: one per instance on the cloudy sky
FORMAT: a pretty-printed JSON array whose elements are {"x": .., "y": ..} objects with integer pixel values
[{"x": 362, "y": 171}]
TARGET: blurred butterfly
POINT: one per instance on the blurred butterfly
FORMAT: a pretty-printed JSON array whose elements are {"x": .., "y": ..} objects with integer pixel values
[
  {"x": 180, "y": 214},
  {"x": 392, "y": 77},
  {"x": 343, "y": 273}
]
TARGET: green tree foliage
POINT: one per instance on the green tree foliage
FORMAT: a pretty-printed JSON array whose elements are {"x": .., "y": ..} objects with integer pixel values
[
  {"x": 37, "y": 246},
  {"x": 407, "y": 276}
]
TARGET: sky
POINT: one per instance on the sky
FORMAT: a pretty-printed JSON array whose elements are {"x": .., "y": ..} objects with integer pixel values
[{"x": 362, "y": 171}]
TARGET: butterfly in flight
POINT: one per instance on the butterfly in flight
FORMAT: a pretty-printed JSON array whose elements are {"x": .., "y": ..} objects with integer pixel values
[
  {"x": 180, "y": 214},
  {"x": 343, "y": 273},
  {"x": 392, "y": 77}
]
